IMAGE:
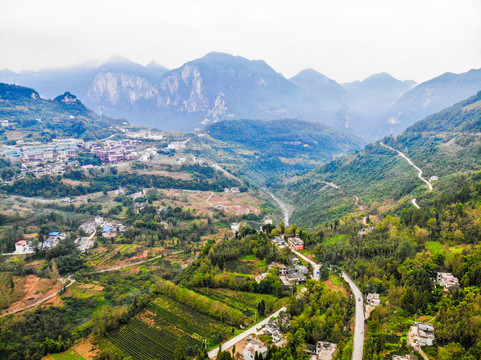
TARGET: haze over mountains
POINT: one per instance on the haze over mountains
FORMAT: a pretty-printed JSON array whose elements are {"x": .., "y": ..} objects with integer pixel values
[{"x": 220, "y": 86}]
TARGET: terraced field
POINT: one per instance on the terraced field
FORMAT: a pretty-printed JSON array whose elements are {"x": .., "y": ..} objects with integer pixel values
[
  {"x": 243, "y": 301},
  {"x": 164, "y": 325}
]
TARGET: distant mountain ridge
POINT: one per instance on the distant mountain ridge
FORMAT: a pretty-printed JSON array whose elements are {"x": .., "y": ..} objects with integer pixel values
[
  {"x": 428, "y": 98},
  {"x": 220, "y": 86}
]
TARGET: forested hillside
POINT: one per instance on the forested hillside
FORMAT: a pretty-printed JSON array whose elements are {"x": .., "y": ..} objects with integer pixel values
[
  {"x": 443, "y": 144},
  {"x": 399, "y": 260},
  {"x": 63, "y": 116},
  {"x": 269, "y": 149}
]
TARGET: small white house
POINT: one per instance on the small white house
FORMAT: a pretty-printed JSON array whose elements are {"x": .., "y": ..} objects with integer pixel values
[{"x": 21, "y": 246}]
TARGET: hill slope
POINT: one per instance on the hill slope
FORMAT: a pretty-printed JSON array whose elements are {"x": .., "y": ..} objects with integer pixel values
[
  {"x": 267, "y": 149},
  {"x": 65, "y": 115},
  {"x": 441, "y": 145}
]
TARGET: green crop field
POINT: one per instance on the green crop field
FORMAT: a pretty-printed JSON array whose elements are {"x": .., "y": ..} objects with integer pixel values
[
  {"x": 435, "y": 247},
  {"x": 243, "y": 301},
  {"x": 164, "y": 325}
]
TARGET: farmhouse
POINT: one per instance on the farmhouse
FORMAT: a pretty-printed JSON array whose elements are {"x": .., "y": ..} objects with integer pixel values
[
  {"x": 325, "y": 350},
  {"x": 107, "y": 231},
  {"x": 447, "y": 280},
  {"x": 255, "y": 346},
  {"x": 373, "y": 299},
  {"x": 365, "y": 231},
  {"x": 282, "y": 268},
  {"x": 423, "y": 334},
  {"x": 22, "y": 247},
  {"x": 279, "y": 241},
  {"x": 293, "y": 259},
  {"x": 261, "y": 277},
  {"x": 295, "y": 243}
]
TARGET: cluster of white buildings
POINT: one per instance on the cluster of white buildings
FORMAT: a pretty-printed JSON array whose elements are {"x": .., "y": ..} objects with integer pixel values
[
  {"x": 233, "y": 190},
  {"x": 26, "y": 246},
  {"x": 53, "y": 240},
  {"x": 112, "y": 151},
  {"x": 447, "y": 280},
  {"x": 289, "y": 275},
  {"x": 44, "y": 159}
]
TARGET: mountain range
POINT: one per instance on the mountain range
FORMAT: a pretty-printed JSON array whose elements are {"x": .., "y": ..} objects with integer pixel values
[{"x": 220, "y": 86}]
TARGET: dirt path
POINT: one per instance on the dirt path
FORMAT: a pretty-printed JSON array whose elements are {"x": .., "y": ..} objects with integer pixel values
[
  {"x": 69, "y": 278},
  {"x": 420, "y": 172},
  {"x": 132, "y": 264}
]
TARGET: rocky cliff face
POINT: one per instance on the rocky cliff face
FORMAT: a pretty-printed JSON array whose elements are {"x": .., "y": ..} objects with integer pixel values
[{"x": 109, "y": 88}]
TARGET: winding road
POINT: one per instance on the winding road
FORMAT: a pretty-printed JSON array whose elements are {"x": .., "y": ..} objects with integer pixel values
[
  {"x": 358, "y": 346},
  {"x": 420, "y": 172},
  {"x": 415, "y": 204}
]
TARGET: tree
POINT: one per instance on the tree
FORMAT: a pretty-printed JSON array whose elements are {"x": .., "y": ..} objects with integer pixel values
[{"x": 261, "y": 308}]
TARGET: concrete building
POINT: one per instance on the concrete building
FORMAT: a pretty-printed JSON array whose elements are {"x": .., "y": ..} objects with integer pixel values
[
  {"x": 255, "y": 346},
  {"x": 423, "y": 334},
  {"x": 448, "y": 280},
  {"x": 325, "y": 350},
  {"x": 295, "y": 243},
  {"x": 373, "y": 299},
  {"x": 405, "y": 357}
]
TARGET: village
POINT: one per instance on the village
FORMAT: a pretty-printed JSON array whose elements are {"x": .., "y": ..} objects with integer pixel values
[
  {"x": 59, "y": 155},
  {"x": 84, "y": 243}
]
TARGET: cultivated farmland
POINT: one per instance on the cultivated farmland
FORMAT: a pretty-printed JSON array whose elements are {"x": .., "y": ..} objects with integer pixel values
[{"x": 164, "y": 325}]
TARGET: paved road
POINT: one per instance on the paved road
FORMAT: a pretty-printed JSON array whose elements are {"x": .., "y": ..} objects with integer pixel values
[
  {"x": 358, "y": 346},
  {"x": 415, "y": 203},
  {"x": 420, "y": 172},
  {"x": 250, "y": 331},
  {"x": 72, "y": 281}
]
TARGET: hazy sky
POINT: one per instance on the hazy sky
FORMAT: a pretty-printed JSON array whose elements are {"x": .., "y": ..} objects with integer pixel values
[{"x": 343, "y": 39}]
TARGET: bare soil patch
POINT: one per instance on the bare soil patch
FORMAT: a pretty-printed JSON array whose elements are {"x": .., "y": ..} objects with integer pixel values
[
  {"x": 35, "y": 289},
  {"x": 336, "y": 288}
]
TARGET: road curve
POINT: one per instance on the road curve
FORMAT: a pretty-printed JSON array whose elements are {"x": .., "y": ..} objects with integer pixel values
[
  {"x": 415, "y": 203},
  {"x": 250, "y": 331},
  {"x": 420, "y": 172}
]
